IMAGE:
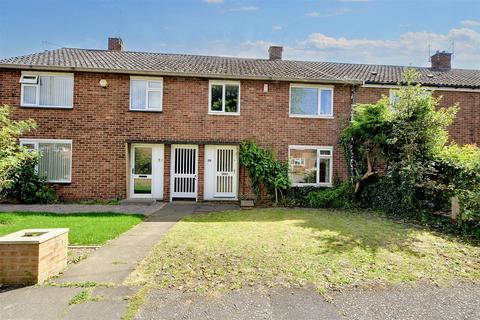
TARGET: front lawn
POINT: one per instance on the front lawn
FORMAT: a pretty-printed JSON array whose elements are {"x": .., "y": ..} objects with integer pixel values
[
  {"x": 85, "y": 228},
  {"x": 222, "y": 251}
]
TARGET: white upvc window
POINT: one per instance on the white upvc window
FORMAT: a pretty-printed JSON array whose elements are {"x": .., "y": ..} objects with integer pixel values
[
  {"x": 146, "y": 93},
  {"x": 316, "y": 166},
  {"x": 46, "y": 89},
  {"x": 224, "y": 97},
  {"x": 54, "y": 158},
  {"x": 311, "y": 101},
  {"x": 394, "y": 95}
]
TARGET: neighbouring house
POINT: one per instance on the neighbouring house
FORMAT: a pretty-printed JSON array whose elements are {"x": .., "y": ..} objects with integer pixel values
[{"x": 121, "y": 124}]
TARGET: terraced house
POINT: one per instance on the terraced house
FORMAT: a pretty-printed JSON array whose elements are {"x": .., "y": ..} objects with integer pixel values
[{"x": 121, "y": 124}]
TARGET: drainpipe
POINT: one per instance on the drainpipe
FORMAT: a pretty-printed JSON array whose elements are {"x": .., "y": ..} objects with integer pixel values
[{"x": 353, "y": 102}]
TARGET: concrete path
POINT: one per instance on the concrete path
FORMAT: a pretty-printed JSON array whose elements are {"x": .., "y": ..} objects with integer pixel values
[
  {"x": 396, "y": 303},
  {"x": 145, "y": 209},
  {"x": 113, "y": 262}
]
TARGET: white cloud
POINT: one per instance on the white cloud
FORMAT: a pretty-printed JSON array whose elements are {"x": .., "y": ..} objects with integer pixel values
[
  {"x": 470, "y": 23},
  {"x": 313, "y": 14},
  {"x": 246, "y": 8},
  {"x": 212, "y": 1},
  {"x": 410, "y": 48},
  {"x": 277, "y": 28}
]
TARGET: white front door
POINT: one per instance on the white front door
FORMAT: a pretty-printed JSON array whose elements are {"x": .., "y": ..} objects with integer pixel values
[
  {"x": 146, "y": 165},
  {"x": 184, "y": 171},
  {"x": 221, "y": 167}
]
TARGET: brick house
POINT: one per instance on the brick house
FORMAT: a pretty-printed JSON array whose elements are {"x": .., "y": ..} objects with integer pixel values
[{"x": 120, "y": 124}]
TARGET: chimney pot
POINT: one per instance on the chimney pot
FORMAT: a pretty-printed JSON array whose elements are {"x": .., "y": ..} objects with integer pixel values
[
  {"x": 441, "y": 60},
  {"x": 115, "y": 44},
  {"x": 275, "y": 53}
]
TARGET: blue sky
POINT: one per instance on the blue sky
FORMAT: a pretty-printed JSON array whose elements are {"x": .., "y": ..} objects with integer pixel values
[{"x": 359, "y": 31}]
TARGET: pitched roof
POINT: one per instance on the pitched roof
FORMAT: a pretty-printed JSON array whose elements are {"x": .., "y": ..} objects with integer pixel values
[{"x": 238, "y": 68}]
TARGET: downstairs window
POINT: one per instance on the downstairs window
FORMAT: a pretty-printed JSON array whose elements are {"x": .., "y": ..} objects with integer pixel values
[
  {"x": 311, "y": 166},
  {"x": 54, "y": 158}
]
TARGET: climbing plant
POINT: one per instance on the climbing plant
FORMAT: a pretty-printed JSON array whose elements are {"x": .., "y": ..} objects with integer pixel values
[{"x": 264, "y": 169}]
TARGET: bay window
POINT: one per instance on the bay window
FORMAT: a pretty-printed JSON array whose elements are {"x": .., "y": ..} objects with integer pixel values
[
  {"x": 52, "y": 90},
  {"x": 311, "y": 101},
  {"x": 311, "y": 166},
  {"x": 54, "y": 158}
]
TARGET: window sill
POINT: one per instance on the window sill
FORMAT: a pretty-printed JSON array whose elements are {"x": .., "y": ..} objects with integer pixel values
[
  {"x": 327, "y": 185},
  {"x": 224, "y": 113},
  {"x": 44, "y": 107},
  {"x": 146, "y": 110},
  {"x": 60, "y": 182},
  {"x": 310, "y": 117}
]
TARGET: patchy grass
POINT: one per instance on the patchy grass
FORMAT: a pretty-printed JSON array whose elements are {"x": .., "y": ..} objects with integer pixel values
[
  {"x": 83, "y": 297},
  {"x": 222, "y": 251},
  {"x": 85, "y": 228}
]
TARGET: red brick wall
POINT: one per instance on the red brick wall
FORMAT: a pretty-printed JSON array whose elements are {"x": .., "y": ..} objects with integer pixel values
[
  {"x": 466, "y": 126},
  {"x": 100, "y": 124}
]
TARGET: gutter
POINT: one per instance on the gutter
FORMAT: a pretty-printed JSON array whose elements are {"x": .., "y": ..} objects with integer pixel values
[
  {"x": 389, "y": 85},
  {"x": 177, "y": 74}
]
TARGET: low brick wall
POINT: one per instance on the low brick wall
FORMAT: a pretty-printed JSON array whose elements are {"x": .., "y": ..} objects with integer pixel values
[{"x": 32, "y": 260}]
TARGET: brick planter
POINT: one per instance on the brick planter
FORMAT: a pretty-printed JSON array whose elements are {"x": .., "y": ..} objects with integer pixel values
[{"x": 31, "y": 256}]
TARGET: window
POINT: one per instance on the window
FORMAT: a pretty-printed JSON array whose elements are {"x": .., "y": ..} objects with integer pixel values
[
  {"x": 224, "y": 97},
  {"x": 311, "y": 101},
  {"x": 394, "y": 95},
  {"x": 54, "y": 90},
  {"x": 54, "y": 158},
  {"x": 146, "y": 94},
  {"x": 311, "y": 165}
]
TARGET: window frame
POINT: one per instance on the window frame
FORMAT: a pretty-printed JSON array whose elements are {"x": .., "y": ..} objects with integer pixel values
[
  {"x": 319, "y": 156},
  {"x": 147, "y": 90},
  {"x": 37, "y": 87},
  {"x": 319, "y": 88},
  {"x": 223, "y": 83},
  {"x": 36, "y": 142}
]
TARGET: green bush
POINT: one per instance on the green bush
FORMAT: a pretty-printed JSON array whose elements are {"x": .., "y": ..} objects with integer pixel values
[
  {"x": 27, "y": 187},
  {"x": 339, "y": 197}
]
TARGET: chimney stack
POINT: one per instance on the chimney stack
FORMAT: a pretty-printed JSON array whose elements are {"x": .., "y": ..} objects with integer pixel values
[
  {"x": 441, "y": 61},
  {"x": 115, "y": 44},
  {"x": 275, "y": 53}
]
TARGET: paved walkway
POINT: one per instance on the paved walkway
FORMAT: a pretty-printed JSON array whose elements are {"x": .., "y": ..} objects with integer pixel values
[
  {"x": 113, "y": 262},
  {"x": 145, "y": 209},
  {"x": 110, "y": 264}
]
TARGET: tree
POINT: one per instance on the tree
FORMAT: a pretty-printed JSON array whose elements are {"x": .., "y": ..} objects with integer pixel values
[{"x": 12, "y": 155}]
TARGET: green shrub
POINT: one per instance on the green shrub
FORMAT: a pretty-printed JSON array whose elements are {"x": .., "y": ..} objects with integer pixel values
[
  {"x": 339, "y": 197},
  {"x": 27, "y": 187}
]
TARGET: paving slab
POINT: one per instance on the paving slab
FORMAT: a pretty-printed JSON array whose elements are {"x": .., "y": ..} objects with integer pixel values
[
  {"x": 246, "y": 303},
  {"x": 145, "y": 209},
  {"x": 35, "y": 303},
  {"x": 113, "y": 304},
  {"x": 113, "y": 262}
]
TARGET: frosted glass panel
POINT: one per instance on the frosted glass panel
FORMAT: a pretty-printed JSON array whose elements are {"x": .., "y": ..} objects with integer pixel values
[
  {"x": 154, "y": 100},
  {"x": 30, "y": 94},
  {"x": 56, "y": 91},
  {"x": 326, "y": 102},
  {"x": 138, "y": 94},
  {"x": 55, "y": 161},
  {"x": 304, "y": 101}
]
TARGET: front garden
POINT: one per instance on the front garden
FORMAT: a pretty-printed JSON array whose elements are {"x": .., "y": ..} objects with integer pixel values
[
  {"x": 286, "y": 247},
  {"x": 85, "y": 228}
]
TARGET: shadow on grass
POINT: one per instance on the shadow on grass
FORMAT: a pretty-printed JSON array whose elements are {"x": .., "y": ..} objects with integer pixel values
[{"x": 336, "y": 230}]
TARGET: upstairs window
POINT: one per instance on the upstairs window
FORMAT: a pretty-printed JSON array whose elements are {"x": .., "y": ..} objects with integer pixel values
[
  {"x": 47, "y": 90},
  {"x": 311, "y": 101},
  {"x": 54, "y": 158},
  {"x": 224, "y": 97},
  {"x": 311, "y": 166},
  {"x": 146, "y": 94}
]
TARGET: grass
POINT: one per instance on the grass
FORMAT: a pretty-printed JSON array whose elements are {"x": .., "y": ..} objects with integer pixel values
[
  {"x": 223, "y": 251},
  {"x": 85, "y": 228},
  {"x": 83, "y": 297}
]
